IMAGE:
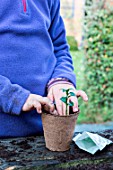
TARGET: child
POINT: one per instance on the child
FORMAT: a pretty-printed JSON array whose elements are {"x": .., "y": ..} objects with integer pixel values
[{"x": 34, "y": 63}]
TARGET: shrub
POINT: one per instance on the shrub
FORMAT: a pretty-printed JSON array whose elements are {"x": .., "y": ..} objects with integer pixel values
[{"x": 99, "y": 62}]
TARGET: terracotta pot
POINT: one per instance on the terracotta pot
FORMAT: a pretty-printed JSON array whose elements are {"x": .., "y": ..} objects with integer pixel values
[{"x": 58, "y": 131}]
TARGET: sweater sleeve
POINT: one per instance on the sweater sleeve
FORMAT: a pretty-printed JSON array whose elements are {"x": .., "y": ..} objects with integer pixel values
[
  {"x": 64, "y": 67},
  {"x": 12, "y": 96}
]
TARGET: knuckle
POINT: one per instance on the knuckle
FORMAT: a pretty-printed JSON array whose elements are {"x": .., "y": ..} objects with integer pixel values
[
  {"x": 44, "y": 101},
  {"x": 37, "y": 104}
]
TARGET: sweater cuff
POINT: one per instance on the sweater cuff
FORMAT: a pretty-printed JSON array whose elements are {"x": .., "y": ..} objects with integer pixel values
[
  {"x": 55, "y": 81},
  {"x": 19, "y": 100}
]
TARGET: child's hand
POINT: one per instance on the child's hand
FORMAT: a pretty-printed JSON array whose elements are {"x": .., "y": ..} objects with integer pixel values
[
  {"x": 55, "y": 93},
  {"x": 37, "y": 102}
]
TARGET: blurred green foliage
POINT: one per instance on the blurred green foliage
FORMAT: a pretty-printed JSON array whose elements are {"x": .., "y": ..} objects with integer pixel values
[
  {"x": 72, "y": 43},
  {"x": 78, "y": 61},
  {"x": 99, "y": 63}
]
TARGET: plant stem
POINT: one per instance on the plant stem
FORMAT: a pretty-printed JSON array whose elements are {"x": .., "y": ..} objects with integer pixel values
[
  {"x": 66, "y": 106},
  {"x": 67, "y": 102}
]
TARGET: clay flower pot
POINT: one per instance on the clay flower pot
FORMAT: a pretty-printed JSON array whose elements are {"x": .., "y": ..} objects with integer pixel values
[{"x": 58, "y": 131}]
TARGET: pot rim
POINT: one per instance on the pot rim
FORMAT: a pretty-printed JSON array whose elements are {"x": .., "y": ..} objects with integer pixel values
[{"x": 49, "y": 114}]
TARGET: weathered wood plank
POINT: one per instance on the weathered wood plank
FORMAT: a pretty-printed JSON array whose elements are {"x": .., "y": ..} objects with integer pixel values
[{"x": 30, "y": 154}]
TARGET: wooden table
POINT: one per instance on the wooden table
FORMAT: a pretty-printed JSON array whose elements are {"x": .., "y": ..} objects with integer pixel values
[{"x": 30, "y": 154}]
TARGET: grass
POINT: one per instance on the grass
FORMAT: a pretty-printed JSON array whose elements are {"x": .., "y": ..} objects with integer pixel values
[{"x": 78, "y": 61}]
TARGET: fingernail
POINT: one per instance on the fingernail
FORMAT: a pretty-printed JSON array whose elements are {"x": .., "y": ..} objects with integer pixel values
[
  {"x": 54, "y": 112},
  {"x": 86, "y": 98},
  {"x": 51, "y": 110},
  {"x": 51, "y": 103},
  {"x": 40, "y": 111},
  {"x": 75, "y": 110}
]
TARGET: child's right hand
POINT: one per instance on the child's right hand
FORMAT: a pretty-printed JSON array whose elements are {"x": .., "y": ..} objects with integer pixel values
[{"x": 37, "y": 102}]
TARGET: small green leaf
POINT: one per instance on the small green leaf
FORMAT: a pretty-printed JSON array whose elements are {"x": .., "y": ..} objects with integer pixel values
[
  {"x": 64, "y": 90},
  {"x": 63, "y": 99},
  {"x": 71, "y": 103},
  {"x": 72, "y": 94}
]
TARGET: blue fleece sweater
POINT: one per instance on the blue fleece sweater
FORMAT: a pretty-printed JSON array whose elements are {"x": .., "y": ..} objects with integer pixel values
[{"x": 33, "y": 50}]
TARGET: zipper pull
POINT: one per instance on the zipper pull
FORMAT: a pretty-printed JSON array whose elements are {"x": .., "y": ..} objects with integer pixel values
[{"x": 24, "y": 5}]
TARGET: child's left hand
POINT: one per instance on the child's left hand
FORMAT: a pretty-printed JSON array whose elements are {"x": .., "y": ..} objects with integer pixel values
[{"x": 55, "y": 93}]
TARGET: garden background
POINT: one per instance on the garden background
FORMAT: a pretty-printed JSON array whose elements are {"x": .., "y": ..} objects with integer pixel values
[{"x": 89, "y": 26}]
